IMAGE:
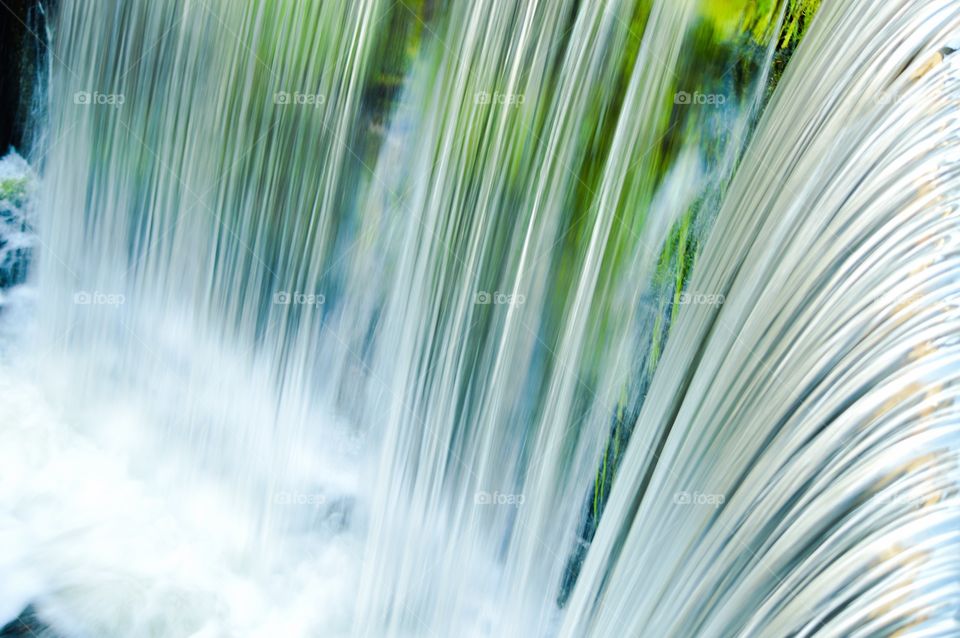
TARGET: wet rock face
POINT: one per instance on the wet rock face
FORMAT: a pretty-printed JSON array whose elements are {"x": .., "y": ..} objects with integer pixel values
[
  {"x": 16, "y": 233},
  {"x": 14, "y": 253},
  {"x": 21, "y": 53}
]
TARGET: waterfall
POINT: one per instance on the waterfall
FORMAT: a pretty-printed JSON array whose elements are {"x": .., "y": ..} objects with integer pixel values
[
  {"x": 818, "y": 403},
  {"x": 487, "y": 318}
]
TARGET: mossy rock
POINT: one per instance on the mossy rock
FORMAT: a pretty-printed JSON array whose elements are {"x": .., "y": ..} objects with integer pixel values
[
  {"x": 731, "y": 18},
  {"x": 13, "y": 189}
]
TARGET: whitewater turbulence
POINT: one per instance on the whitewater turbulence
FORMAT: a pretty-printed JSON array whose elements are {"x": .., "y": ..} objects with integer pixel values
[{"x": 492, "y": 318}]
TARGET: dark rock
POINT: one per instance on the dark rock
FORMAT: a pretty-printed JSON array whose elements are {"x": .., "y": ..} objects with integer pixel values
[
  {"x": 14, "y": 262},
  {"x": 22, "y": 52},
  {"x": 27, "y": 625}
]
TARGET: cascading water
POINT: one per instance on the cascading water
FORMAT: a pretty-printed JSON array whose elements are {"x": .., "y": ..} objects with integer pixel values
[{"x": 493, "y": 318}]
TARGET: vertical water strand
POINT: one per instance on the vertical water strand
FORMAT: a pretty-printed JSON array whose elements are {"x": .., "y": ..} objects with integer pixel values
[
  {"x": 501, "y": 447},
  {"x": 477, "y": 175},
  {"x": 568, "y": 436},
  {"x": 198, "y": 151},
  {"x": 708, "y": 144}
]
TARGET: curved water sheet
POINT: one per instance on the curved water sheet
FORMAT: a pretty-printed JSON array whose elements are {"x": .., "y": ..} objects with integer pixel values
[{"x": 795, "y": 471}]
